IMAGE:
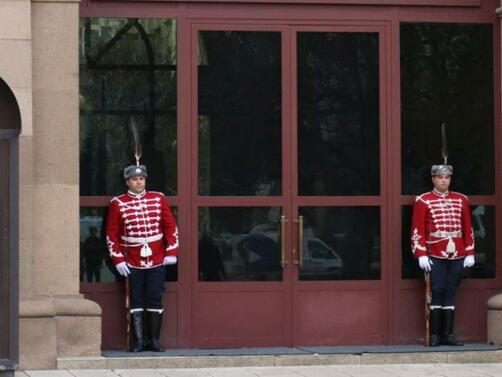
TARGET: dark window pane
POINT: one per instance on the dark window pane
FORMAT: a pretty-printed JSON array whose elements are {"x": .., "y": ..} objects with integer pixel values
[
  {"x": 4, "y": 250},
  {"x": 409, "y": 269},
  {"x": 338, "y": 114},
  {"x": 10, "y": 119},
  {"x": 172, "y": 269},
  {"x": 239, "y": 244},
  {"x": 239, "y": 113},
  {"x": 341, "y": 243},
  {"x": 483, "y": 223},
  {"x": 127, "y": 73},
  {"x": 95, "y": 263},
  {"x": 447, "y": 76}
]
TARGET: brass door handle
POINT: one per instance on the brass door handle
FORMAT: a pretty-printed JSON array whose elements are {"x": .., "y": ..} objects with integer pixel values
[
  {"x": 282, "y": 232},
  {"x": 299, "y": 261}
]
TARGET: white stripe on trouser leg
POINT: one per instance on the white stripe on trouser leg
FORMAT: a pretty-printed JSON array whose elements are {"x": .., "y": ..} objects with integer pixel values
[
  {"x": 436, "y": 307},
  {"x": 448, "y": 307},
  {"x": 155, "y": 310},
  {"x": 136, "y": 310}
]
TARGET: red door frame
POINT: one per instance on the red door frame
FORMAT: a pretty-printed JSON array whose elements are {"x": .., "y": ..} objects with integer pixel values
[
  {"x": 348, "y": 294},
  {"x": 213, "y": 300},
  {"x": 403, "y": 295}
]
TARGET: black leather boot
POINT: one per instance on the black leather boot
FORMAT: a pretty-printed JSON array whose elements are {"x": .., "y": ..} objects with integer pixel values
[
  {"x": 138, "y": 340},
  {"x": 154, "y": 324},
  {"x": 435, "y": 325},
  {"x": 448, "y": 319}
]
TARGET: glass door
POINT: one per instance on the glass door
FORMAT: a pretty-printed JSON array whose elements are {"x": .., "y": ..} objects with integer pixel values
[
  {"x": 288, "y": 192},
  {"x": 339, "y": 200},
  {"x": 242, "y": 290}
]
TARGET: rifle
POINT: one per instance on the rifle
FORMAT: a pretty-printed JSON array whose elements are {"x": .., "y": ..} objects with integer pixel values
[
  {"x": 128, "y": 315},
  {"x": 427, "y": 278}
]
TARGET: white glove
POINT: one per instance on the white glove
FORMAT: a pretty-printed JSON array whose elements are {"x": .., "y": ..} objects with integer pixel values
[
  {"x": 170, "y": 259},
  {"x": 123, "y": 269},
  {"x": 469, "y": 261},
  {"x": 425, "y": 263}
]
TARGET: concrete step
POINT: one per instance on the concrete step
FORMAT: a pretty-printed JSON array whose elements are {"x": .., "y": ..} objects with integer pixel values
[{"x": 281, "y": 356}]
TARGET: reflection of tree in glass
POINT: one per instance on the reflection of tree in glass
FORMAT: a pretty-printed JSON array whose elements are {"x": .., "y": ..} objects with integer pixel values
[
  {"x": 128, "y": 68},
  {"x": 447, "y": 76},
  {"x": 240, "y": 113},
  {"x": 338, "y": 113}
]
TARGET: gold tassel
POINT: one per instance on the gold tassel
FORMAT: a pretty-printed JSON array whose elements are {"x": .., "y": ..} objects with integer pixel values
[{"x": 450, "y": 248}]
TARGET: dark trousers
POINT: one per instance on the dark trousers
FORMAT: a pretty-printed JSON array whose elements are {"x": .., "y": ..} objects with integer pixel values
[
  {"x": 93, "y": 268},
  {"x": 147, "y": 287},
  {"x": 445, "y": 278}
]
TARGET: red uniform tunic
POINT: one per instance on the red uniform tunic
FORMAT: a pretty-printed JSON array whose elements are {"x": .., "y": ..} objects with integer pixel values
[
  {"x": 441, "y": 226},
  {"x": 141, "y": 229}
]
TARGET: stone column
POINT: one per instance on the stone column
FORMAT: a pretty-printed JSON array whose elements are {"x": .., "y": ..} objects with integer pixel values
[
  {"x": 55, "y": 320},
  {"x": 494, "y": 304},
  {"x": 15, "y": 70}
]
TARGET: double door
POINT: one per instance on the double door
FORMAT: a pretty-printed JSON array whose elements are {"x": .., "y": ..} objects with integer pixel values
[{"x": 289, "y": 197}]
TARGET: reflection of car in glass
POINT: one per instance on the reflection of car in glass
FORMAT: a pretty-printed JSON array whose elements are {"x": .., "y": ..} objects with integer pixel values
[
  {"x": 320, "y": 259},
  {"x": 259, "y": 252}
]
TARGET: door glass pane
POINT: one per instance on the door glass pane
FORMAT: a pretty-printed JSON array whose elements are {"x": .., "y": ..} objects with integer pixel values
[
  {"x": 239, "y": 76},
  {"x": 338, "y": 114},
  {"x": 95, "y": 263},
  {"x": 127, "y": 74},
  {"x": 447, "y": 76},
  {"x": 239, "y": 244},
  {"x": 483, "y": 223},
  {"x": 4, "y": 250},
  {"x": 341, "y": 243}
]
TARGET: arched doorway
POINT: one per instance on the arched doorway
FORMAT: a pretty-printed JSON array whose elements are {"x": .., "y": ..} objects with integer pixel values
[{"x": 10, "y": 127}]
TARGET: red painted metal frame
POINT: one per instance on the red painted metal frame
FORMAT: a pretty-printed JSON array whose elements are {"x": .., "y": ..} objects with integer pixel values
[
  {"x": 473, "y": 292},
  {"x": 429, "y": 3},
  {"x": 191, "y": 16}
]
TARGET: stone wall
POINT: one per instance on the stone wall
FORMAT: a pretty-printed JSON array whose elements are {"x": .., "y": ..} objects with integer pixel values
[{"x": 39, "y": 61}]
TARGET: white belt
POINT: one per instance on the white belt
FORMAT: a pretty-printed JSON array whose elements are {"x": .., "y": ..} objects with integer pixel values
[
  {"x": 440, "y": 234},
  {"x": 141, "y": 240}
]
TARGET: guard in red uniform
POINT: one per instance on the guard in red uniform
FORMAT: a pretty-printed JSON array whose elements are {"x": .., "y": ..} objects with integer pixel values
[
  {"x": 142, "y": 238},
  {"x": 442, "y": 240}
]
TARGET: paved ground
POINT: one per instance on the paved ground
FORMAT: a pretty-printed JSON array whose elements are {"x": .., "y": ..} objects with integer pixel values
[{"x": 395, "y": 370}]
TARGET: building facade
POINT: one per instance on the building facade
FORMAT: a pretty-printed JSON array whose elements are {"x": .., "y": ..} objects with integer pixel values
[{"x": 290, "y": 138}]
